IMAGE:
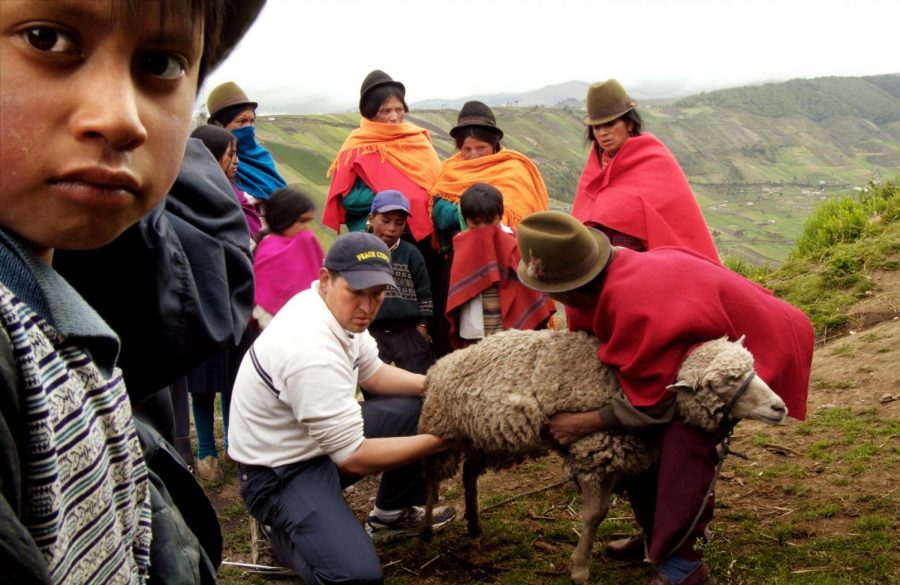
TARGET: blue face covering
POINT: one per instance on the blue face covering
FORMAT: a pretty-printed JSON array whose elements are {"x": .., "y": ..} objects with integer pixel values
[{"x": 256, "y": 173}]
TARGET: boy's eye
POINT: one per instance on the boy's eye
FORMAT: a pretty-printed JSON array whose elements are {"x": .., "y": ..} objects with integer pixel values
[
  {"x": 50, "y": 40},
  {"x": 162, "y": 65}
]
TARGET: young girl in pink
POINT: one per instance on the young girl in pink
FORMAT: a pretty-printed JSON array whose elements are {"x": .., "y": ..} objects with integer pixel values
[{"x": 288, "y": 255}]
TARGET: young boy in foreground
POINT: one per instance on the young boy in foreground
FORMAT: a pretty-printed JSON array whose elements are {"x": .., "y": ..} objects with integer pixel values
[{"x": 96, "y": 100}]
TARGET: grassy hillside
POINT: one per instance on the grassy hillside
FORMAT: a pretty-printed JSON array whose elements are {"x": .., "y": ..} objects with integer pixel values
[{"x": 759, "y": 158}]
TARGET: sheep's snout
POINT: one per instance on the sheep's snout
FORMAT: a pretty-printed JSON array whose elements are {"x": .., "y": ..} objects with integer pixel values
[{"x": 759, "y": 402}]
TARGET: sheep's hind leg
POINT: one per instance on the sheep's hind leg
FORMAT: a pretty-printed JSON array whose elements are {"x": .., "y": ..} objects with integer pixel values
[
  {"x": 595, "y": 498},
  {"x": 472, "y": 469},
  {"x": 432, "y": 486}
]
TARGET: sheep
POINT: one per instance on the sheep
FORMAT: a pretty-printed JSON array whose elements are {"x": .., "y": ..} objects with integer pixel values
[{"x": 492, "y": 401}]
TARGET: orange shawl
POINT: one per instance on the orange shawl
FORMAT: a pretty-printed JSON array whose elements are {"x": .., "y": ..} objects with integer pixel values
[
  {"x": 512, "y": 173},
  {"x": 406, "y": 146}
]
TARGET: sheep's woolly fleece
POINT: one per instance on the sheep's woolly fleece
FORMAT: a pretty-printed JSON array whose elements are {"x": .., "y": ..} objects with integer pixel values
[{"x": 494, "y": 399}]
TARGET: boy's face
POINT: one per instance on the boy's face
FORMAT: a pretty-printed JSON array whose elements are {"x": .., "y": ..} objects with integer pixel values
[
  {"x": 388, "y": 226},
  {"x": 96, "y": 105}
]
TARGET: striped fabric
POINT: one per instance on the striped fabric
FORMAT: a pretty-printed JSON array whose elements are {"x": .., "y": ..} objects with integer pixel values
[{"x": 86, "y": 492}]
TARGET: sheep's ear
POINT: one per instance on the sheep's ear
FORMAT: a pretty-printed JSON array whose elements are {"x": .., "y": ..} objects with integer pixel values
[
  {"x": 740, "y": 340},
  {"x": 681, "y": 387}
]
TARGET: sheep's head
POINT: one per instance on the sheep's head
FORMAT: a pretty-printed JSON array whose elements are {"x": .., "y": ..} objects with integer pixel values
[{"x": 718, "y": 377}]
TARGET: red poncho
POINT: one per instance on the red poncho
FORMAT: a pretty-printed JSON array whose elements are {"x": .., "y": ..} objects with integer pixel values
[
  {"x": 643, "y": 192},
  {"x": 485, "y": 256},
  {"x": 386, "y": 156},
  {"x": 655, "y": 306}
]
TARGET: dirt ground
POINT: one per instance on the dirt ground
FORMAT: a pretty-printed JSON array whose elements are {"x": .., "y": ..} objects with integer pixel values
[{"x": 858, "y": 367}]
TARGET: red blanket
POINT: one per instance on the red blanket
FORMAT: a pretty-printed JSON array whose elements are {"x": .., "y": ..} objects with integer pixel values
[
  {"x": 385, "y": 156},
  {"x": 643, "y": 193},
  {"x": 657, "y": 305},
  {"x": 378, "y": 175},
  {"x": 485, "y": 256}
]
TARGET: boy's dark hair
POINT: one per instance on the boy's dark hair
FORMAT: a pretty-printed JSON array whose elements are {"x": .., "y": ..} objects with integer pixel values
[
  {"x": 376, "y": 97},
  {"x": 481, "y": 202},
  {"x": 483, "y": 133},
  {"x": 283, "y": 209},
  {"x": 216, "y": 139}
]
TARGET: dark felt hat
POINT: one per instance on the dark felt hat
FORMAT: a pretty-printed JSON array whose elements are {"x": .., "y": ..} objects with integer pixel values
[
  {"x": 475, "y": 113},
  {"x": 226, "y": 95},
  {"x": 606, "y": 101},
  {"x": 362, "y": 259},
  {"x": 559, "y": 253},
  {"x": 375, "y": 79}
]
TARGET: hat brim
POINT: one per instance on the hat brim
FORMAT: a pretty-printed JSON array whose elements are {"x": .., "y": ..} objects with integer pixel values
[
  {"x": 237, "y": 102},
  {"x": 455, "y": 130},
  {"x": 386, "y": 208},
  {"x": 588, "y": 121},
  {"x": 363, "y": 279},
  {"x": 564, "y": 286}
]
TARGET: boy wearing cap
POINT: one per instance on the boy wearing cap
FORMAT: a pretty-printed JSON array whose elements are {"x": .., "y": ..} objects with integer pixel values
[
  {"x": 97, "y": 101},
  {"x": 300, "y": 436},
  {"x": 649, "y": 310},
  {"x": 401, "y": 326}
]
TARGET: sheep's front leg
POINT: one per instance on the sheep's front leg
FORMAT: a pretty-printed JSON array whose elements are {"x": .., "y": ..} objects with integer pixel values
[
  {"x": 472, "y": 469},
  {"x": 595, "y": 498}
]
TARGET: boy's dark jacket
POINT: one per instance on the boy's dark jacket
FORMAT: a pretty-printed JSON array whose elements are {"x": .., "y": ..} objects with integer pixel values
[{"x": 177, "y": 288}]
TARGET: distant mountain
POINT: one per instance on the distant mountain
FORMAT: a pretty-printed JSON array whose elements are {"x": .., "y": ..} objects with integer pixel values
[
  {"x": 548, "y": 96},
  {"x": 570, "y": 93},
  {"x": 758, "y": 158}
]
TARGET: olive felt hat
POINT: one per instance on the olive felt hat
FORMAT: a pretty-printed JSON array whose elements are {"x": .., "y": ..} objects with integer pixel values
[
  {"x": 606, "y": 101},
  {"x": 377, "y": 78},
  {"x": 475, "y": 113},
  {"x": 559, "y": 253},
  {"x": 226, "y": 95}
]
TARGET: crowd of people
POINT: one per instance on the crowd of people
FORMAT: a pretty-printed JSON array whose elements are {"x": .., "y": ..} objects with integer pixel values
[{"x": 140, "y": 265}]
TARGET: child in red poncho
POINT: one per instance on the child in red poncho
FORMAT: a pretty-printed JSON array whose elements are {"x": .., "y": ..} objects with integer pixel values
[{"x": 485, "y": 296}]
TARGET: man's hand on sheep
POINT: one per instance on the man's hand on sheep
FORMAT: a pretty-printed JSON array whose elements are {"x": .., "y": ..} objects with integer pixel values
[{"x": 568, "y": 427}]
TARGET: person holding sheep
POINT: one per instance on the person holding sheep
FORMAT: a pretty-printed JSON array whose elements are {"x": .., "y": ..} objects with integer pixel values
[
  {"x": 300, "y": 436},
  {"x": 484, "y": 295},
  {"x": 649, "y": 310}
]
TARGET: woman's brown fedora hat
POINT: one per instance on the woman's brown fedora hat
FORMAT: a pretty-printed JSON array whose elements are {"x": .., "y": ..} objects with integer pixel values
[
  {"x": 475, "y": 113},
  {"x": 559, "y": 253},
  {"x": 606, "y": 101}
]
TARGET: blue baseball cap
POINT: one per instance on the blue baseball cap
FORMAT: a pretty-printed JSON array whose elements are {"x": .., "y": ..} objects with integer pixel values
[
  {"x": 390, "y": 200},
  {"x": 362, "y": 259}
]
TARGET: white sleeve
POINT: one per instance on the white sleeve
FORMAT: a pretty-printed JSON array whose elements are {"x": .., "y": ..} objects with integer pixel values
[{"x": 322, "y": 395}]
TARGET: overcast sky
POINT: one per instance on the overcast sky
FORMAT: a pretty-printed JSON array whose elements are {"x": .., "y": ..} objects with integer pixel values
[{"x": 305, "y": 56}]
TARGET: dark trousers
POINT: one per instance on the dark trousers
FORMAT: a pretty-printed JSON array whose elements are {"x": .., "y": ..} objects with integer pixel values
[
  {"x": 403, "y": 345},
  {"x": 668, "y": 497},
  {"x": 313, "y": 529}
]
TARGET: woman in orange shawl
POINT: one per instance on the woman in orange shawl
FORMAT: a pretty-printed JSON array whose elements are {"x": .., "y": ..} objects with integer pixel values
[
  {"x": 631, "y": 187},
  {"x": 482, "y": 159},
  {"x": 385, "y": 152}
]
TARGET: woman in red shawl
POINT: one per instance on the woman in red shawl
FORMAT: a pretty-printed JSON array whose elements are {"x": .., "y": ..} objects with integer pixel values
[
  {"x": 384, "y": 153},
  {"x": 632, "y": 188}
]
